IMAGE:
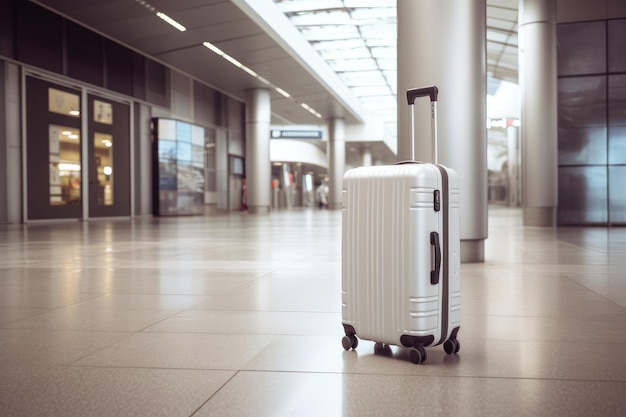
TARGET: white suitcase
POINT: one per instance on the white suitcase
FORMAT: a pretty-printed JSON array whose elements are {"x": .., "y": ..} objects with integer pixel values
[{"x": 401, "y": 252}]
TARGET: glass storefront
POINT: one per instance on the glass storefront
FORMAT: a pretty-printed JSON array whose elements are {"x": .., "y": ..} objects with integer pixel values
[{"x": 56, "y": 162}]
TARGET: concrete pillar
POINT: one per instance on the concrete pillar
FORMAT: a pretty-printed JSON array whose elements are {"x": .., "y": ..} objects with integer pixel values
[
  {"x": 258, "y": 165},
  {"x": 336, "y": 162},
  {"x": 512, "y": 134},
  {"x": 538, "y": 87},
  {"x": 12, "y": 199},
  {"x": 366, "y": 152},
  {"x": 442, "y": 43}
]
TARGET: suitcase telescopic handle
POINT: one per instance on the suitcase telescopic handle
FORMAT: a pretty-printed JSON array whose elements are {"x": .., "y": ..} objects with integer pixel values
[{"x": 411, "y": 95}]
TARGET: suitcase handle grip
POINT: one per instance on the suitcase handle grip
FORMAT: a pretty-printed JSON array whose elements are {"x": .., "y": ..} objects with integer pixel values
[
  {"x": 414, "y": 93},
  {"x": 434, "y": 273},
  {"x": 411, "y": 95}
]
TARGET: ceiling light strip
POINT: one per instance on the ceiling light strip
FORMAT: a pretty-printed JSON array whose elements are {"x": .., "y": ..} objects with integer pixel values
[
  {"x": 171, "y": 21},
  {"x": 162, "y": 15},
  {"x": 251, "y": 72}
]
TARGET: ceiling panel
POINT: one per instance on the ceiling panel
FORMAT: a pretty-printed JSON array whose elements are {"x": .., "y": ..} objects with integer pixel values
[
  {"x": 229, "y": 28},
  {"x": 356, "y": 37}
]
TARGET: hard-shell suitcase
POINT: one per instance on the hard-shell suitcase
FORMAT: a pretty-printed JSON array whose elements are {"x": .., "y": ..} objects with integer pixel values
[{"x": 401, "y": 252}]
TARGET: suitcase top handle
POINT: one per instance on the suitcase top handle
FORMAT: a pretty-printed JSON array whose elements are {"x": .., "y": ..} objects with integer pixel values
[{"x": 413, "y": 93}]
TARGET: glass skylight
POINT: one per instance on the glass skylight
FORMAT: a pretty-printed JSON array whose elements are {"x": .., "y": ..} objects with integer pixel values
[{"x": 358, "y": 40}]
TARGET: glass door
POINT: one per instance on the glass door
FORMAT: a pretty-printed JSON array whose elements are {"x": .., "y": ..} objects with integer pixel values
[
  {"x": 53, "y": 151},
  {"x": 109, "y": 151}
]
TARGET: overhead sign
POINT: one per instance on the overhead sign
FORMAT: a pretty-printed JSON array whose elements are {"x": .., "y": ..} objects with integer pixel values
[{"x": 296, "y": 134}]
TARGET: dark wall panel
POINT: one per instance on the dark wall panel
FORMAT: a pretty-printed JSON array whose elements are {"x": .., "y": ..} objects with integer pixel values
[
  {"x": 592, "y": 122},
  {"x": 85, "y": 58},
  {"x": 617, "y": 45},
  {"x": 119, "y": 68},
  {"x": 582, "y": 48},
  {"x": 157, "y": 83},
  {"x": 139, "y": 76},
  {"x": 49, "y": 41},
  {"x": 236, "y": 115},
  {"x": 39, "y": 36},
  {"x": 582, "y": 195},
  {"x": 617, "y": 100},
  {"x": 617, "y": 191},
  {"x": 207, "y": 105},
  {"x": 582, "y": 146},
  {"x": 582, "y": 101},
  {"x": 6, "y": 28}
]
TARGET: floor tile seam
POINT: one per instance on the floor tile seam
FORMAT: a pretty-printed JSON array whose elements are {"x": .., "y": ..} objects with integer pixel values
[
  {"x": 339, "y": 334},
  {"x": 52, "y": 330},
  {"x": 428, "y": 375},
  {"x": 47, "y": 311},
  {"x": 547, "y": 341},
  {"x": 582, "y": 313},
  {"x": 76, "y": 365},
  {"x": 121, "y": 308},
  {"x": 214, "y": 393},
  {"x": 127, "y": 336},
  {"x": 242, "y": 370},
  {"x": 156, "y": 323},
  {"x": 595, "y": 249},
  {"x": 536, "y": 260},
  {"x": 268, "y": 311},
  {"x": 611, "y": 301},
  {"x": 100, "y": 294},
  {"x": 567, "y": 318},
  {"x": 600, "y": 274},
  {"x": 515, "y": 292},
  {"x": 550, "y": 316},
  {"x": 254, "y": 280}
]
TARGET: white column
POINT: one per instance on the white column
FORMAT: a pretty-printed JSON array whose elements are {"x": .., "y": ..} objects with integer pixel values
[
  {"x": 336, "y": 162},
  {"x": 366, "y": 153},
  {"x": 258, "y": 165},
  {"x": 442, "y": 43},
  {"x": 538, "y": 87},
  {"x": 512, "y": 134},
  {"x": 12, "y": 197}
]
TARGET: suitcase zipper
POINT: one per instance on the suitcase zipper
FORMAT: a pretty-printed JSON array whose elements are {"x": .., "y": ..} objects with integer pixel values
[{"x": 445, "y": 252}]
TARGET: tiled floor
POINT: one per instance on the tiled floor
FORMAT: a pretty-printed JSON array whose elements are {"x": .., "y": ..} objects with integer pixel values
[{"x": 239, "y": 315}]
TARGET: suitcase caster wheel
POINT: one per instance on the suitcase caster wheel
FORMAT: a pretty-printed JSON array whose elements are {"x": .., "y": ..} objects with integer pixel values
[
  {"x": 382, "y": 349},
  {"x": 451, "y": 346},
  {"x": 350, "y": 342},
  {"x": 418, "y": 355}
]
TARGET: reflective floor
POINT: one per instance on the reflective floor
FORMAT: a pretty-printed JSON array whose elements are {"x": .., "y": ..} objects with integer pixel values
[{"x": 240, "y": 315}]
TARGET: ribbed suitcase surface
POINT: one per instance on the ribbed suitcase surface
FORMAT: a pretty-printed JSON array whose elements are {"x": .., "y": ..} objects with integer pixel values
[{"x": 390, "y": 214}]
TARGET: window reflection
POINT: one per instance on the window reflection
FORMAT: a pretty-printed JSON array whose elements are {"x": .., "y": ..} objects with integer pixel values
[
  {"x": 64, "y": 145},
  {"x": 103, "y": 153}
]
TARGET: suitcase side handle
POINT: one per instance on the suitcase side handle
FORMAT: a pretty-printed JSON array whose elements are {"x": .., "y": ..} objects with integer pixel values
[
  {"x": 434, "y": 273},
  {"x": 413, "y": 93}
]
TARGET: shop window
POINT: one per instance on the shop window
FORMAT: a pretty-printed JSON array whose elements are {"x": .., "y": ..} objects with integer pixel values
[
  {"x": 65, "y": 168},
  {"x": 103, "y": 149}
]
